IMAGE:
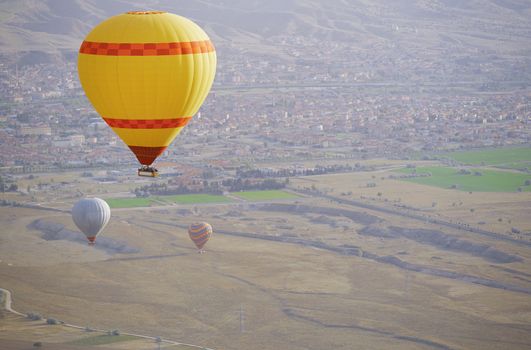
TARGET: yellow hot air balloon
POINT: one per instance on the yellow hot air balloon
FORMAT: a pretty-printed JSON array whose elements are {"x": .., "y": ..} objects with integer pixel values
[{"x": 147, "y": 73}]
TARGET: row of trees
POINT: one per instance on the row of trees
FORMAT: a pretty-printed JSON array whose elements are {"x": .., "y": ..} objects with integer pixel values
[
  {"x": 317, "y": 170},
  {"x": 7, "y": 187},
  {"x": 239, "y": 184}
]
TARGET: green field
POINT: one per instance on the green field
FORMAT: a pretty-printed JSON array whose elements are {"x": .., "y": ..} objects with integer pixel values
[
  {"x": 516, "y": 158},
  {"x": 193, "y": 198},
  {"x": 129, "y": 202},
  {"x": 489, "y": 181},
  {"x": 166, "y": 200},
  {"x": 264, "y": 195},
  {"x": 103, "y": 339}
]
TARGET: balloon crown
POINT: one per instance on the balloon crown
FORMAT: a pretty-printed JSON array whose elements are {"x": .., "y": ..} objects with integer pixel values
[{"x": 145, "y": 12}]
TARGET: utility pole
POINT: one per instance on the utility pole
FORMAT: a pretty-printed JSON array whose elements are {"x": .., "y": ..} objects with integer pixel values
[
  {"x": 410, "y": 278},
  {"x": 17, "y": 80},
  {"x": 16, "y": 75},
  {"x": 407, "y": 283},
  {"x": 242, "y": 319}
]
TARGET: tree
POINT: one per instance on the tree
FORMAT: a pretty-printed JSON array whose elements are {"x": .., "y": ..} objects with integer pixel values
[
  {"x": 51, "y": 321},
  {"x": 208, "y": 174},
  {"x": 33, "y": 316}
]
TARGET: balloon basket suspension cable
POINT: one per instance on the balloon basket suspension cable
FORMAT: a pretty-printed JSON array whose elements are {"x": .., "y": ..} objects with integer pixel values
[{"x": 148, "y": 171}]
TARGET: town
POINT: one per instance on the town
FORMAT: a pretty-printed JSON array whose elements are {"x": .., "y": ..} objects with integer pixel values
[{"x": 47, "y": 122}]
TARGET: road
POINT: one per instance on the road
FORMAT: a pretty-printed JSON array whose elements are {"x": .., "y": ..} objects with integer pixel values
[
  {"x": 8, "y": 302},
  {"x": 415, "y": 216}
]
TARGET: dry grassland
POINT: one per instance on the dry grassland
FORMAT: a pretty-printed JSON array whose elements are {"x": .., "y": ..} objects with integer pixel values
[
  {"x": 459, "y": 206},
  {"x": 293, "y": 296}
]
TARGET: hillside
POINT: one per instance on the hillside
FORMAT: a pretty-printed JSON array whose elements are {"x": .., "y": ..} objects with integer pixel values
[{"x": 486, "y": 26}]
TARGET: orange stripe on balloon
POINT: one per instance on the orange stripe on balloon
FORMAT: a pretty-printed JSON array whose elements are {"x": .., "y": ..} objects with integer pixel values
[
  {"x": 194, "y": 230},
  {"x": 147, "y": 123},
  {"x": 201, "y": 236},
  {"x": 146, "y": 49}
]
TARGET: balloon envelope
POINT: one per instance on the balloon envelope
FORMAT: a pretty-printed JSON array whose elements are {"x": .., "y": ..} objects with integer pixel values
[
  {"x": 91, "y": 215},
  {"x": 147, "y": 73},
  {"x": 200, "y": 233}
]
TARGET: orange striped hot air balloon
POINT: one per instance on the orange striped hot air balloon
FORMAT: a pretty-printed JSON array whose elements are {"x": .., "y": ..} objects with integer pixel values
[
  {"x": 200, "y": 233},
  {"x": 147, "y": 73}
]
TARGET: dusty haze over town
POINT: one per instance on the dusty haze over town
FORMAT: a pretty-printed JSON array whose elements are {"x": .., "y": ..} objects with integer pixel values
[{"x": 365, "y": 167}]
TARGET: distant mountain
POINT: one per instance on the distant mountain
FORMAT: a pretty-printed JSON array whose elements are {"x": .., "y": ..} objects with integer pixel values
[{"x": 428, "y": 27}]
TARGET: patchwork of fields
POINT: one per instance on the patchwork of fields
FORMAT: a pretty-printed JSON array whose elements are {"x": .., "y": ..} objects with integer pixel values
[
  {"x": 476, "y": 173},
  {"x": 359, "y": 258},
  {"x": 514, "y": 158},
  {"x": 473, "y": 179}
]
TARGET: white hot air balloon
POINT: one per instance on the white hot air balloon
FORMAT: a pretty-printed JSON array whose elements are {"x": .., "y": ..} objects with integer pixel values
[{"x": 91, "y": 215}]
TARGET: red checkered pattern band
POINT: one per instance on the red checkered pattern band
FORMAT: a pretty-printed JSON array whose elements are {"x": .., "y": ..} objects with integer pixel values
[
  {"x": 147, "y": 123},
  {"x": 145, "y": 12},
  {"x": 146, "y": 49}
]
